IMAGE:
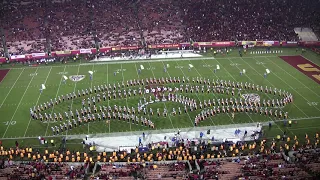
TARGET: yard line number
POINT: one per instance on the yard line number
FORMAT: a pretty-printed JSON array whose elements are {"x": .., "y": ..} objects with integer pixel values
[
  {"x": 151, "y": 68},
  {"x": 33, "y": 74},
  {"x": 11, "y": 123},
  {"x": 121, "y": 70},
  {"x": 208, "y": 65},
  {"x": 313, "y": 103},
  {"x": 260, "y": 63},
  {"x": 62, "y": 73},
  {"x": 179, "y": 67}
]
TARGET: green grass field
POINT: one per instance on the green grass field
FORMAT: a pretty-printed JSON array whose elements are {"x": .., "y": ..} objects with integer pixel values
[{"x": 19, "y": 91}]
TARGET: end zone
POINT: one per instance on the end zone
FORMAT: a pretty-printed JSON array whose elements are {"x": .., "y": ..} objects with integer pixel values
[
  {"x": 3, "y": 73},
  {"x": 304, "y": 65}
]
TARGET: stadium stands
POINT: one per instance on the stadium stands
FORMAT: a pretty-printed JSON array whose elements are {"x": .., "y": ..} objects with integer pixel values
[
  {"x": 273, "y": 159},
  {"x": 76, "y": 24},
  {"x": 247, "y": 20},
  {"x": 161, "y": 21},
  {"x": 40, "y": 170}
]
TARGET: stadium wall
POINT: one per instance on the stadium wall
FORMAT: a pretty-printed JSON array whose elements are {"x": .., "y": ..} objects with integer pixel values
[{"x": 37, "y": 56}]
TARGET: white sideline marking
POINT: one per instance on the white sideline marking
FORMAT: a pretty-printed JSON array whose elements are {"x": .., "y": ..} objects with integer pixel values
[
  {"x": 153, "y": 60},
  {"x": 80, "y": 136}
]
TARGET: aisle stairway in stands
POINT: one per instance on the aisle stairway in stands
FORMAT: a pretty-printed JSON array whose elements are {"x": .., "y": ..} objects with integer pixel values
[{"x": 306, "y": 34}]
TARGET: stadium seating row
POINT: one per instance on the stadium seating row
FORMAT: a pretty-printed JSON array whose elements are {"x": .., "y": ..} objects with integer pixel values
[{"x": 28, "y": 25}]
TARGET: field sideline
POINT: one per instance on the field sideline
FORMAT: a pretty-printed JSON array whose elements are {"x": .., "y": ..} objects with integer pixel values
[{"x": 19, "y": 91}]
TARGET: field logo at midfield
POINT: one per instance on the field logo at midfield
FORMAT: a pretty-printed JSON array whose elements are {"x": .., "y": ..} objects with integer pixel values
[
  {"x": 251, "y": 97},
  {"x": 76, "y": 78}
]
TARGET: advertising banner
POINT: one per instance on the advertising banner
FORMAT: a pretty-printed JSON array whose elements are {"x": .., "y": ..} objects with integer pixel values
[
  {"x": 38, "y": 55},
  {"x": 160, "y": 46},
  {"x": 15, "y": 57},
  {"x": 85, "y": 51},
  {"x": 223, "y": 44},
  {"x": 61, "y": 53}
]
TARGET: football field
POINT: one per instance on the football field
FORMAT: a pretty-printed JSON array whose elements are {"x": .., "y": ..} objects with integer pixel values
[{"x": 20, "y": 91}]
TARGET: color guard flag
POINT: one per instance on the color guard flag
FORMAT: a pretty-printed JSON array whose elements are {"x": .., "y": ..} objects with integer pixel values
[
  {"x": 244, "y": 71},
  {"x": 268, "y": 71},
  {"x": 90, "y": 72},
  {"x": 141, "y": 67},
  {"x": 218, "y": 67},
  {"x": 43, "y": 86},
  {"x": 190, "y": 65},
  {"x": 65, "y": 77},
  {"x": 168, "y": 65}
]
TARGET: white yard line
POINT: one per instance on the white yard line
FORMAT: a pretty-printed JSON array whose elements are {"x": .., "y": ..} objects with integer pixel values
[
  {"x": 269, "y": 96},
  {"x": 266, "y": 93},
  {"x": 11, "y": 87},
  {"x": 108, "y": 90},
  {"x": 142, "y": 93},
  {"x": 295, "y": 78},
  {"x": 235, "y": 81},
  {"x": 195, "y": 93},
  {"x": 74, "y": 89},
  {"x": 36, "y": 103},
  {"x": 19, "y": 105},
  {"x": 294, "y": 90},
  {"x": 218, "y": 78},
  {"x": 192, "y": 122},
  {"x": 126, "y": 96},
  {"x": 55, "y": 97},
  {"x": 274, "y": 86},
  {"x": 75, "y": 86},
  {"x": 162, "y": 101},
  {"x": 90, "y": 97}
]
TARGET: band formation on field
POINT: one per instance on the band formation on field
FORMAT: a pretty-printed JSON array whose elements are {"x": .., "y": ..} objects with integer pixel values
[{"x": 237, "y": 97}]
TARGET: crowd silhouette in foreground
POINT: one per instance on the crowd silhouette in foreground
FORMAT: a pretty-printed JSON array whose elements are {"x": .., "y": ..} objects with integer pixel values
[{"x": 282, "y": 157}]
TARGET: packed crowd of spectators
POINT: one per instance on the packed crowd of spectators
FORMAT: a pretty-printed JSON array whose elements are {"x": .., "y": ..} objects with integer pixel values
[
  {"x": 299, "y": 157},
  {"x": 23, "y": 27},
  {"x": 72, "y": 24},
  {"x": 247, "y": 19},
  {"x": 161, "y": 21},
  {"x": 39, "y": 170}
]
